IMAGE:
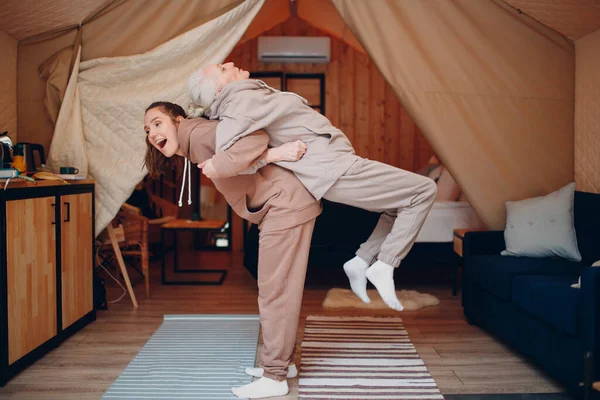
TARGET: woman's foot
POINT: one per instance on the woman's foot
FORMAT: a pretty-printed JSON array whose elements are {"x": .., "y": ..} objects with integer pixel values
[
  {"x": 381, "y": 275},
  {"x": 355, "y": 270},
  {"x": 264, "y": 387}
]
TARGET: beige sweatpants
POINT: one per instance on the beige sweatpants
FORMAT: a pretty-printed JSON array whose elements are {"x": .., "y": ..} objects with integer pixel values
[
  {"x": 403, "y": 197},
  {"x": 282, "y": 261}
]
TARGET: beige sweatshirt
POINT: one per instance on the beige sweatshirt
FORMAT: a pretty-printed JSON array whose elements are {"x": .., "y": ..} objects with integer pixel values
[
  {"x": 272, "y": 198},
  {"x": 249, "y": 105}
]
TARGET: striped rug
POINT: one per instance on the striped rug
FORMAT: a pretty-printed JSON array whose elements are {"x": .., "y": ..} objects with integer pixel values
[
  {"x": 199, "y": 357},
  {"x": 361, "y": 358}
]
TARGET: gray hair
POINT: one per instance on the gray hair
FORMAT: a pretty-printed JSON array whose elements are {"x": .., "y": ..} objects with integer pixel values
[{"x": 203, "y": 92}]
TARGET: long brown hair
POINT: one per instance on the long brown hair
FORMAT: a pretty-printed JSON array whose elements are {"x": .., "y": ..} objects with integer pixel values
[{"x": 156, "y": 162}]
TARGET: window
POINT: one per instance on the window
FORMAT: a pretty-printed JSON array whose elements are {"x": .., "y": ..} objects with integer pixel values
[{"x": 309, "y": 86}]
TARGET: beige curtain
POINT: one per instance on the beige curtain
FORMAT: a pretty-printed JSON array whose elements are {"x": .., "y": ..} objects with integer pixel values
[
  {"x": 56, "y": 73},
  {"x": 137, "y": 26},
  {"x": 491, "y": 89},
  {"x": 100, "y": 124}
]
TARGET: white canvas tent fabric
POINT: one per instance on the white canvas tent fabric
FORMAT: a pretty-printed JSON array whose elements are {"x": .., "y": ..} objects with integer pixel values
[
  {"x": 491, "y": 89},
  {"x": 100, "y": 124}
]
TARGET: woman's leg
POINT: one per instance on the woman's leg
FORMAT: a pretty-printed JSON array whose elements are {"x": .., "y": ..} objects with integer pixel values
[
  {"x": 284, "y": 257},
  {"x": 282, "y": 261},
  {"x": 403, "y": 197}
]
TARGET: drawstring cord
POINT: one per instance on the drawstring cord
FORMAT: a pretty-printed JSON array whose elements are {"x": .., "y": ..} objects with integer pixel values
[
  {"x": 189, "y": 182},
  {"x": 187, "y": 170}
]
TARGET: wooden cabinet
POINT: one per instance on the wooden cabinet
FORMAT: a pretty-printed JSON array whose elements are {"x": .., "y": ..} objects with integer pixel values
[
  {"x": 31, "y": 274},
  {"x": 76, "y": 260},
  {"x": 46, "y": 274}
]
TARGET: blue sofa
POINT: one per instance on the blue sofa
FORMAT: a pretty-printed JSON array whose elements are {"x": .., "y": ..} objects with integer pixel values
[{"x": 529, "y": 302}]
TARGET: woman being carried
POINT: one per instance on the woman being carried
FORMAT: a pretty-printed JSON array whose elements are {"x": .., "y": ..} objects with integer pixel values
[{"x": 330, "y": 169}]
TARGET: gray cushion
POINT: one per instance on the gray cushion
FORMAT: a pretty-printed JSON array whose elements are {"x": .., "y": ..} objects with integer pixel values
[{"x": 542, "y": 226}]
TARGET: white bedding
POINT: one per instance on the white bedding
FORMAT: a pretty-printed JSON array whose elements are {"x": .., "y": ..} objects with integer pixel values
[{"x": 444, "y": 217}]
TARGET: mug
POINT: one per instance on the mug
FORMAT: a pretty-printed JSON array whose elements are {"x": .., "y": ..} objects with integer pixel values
[
  {"x": 18, "y": 163},
  {"x": 69, "y": 171}
]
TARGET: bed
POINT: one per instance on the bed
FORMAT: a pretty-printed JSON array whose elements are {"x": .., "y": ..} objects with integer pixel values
[
  {"x": 444, "y": 217},
  {"x": 434, "y": 246}
]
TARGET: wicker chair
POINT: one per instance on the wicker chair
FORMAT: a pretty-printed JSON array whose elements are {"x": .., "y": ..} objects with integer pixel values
[
  {"x": 135, "y": 244},
  {"x": 135, "y": 233}
]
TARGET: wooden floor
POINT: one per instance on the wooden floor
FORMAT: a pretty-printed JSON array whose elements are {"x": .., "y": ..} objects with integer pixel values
[{"x": 461, "y": 358}]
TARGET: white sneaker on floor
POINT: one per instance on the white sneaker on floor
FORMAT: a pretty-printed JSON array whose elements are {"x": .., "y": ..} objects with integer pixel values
[{"x": 261, "y": 389}]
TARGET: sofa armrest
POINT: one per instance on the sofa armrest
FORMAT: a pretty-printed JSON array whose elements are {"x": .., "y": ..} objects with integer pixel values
[
  {"x": 590, "y": 316},
  {"x": 483, "y": 243}
]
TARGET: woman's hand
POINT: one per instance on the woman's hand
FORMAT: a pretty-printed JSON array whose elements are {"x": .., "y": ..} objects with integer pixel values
[
  {"x": 292, "y": 151},
  {"x": 208, "y": 169}
]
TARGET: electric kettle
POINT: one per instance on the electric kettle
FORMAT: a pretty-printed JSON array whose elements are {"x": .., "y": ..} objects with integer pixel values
[{"x": 26, "y": 150}]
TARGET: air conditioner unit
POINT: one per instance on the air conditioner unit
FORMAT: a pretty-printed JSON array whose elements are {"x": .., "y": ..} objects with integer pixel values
[{"x": 294, "y": 49}]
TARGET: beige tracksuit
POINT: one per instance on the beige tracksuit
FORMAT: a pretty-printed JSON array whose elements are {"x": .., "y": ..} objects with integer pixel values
[
  {"x": 330, "y": 169},
  {"x": 285, "y": 212}
]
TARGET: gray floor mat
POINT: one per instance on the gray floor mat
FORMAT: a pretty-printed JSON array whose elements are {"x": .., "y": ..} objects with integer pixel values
[{"x": 191, "y": 357}]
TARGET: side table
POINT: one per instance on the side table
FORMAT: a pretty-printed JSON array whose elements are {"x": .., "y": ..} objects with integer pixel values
[
  {"x": 459, "y": 235},
  {"x": 189, "y": 225}
]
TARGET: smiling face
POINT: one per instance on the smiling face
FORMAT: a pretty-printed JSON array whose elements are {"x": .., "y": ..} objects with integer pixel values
[
  {"x": 162, "y": 131},
  {"x": 224, "y": 74}
]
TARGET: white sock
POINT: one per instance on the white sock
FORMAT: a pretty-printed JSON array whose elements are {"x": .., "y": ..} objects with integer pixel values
[
  {"x": 264, "y": 387},
  {"x": 355, "y": 270},
  {"x": 381, "y": 275},
  {"x": 258, "y": 372}
]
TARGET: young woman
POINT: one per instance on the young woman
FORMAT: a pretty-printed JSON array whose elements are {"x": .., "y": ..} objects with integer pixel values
[
  {"x": 274, "y": 200},
  {"x": 330, "y": 169}
]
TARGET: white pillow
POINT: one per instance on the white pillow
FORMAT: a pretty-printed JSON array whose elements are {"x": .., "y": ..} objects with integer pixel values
[{"x": 542, "y": 226}]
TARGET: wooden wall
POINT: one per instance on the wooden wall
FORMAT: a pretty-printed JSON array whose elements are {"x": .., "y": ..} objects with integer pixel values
[{"x": 358, "y": 100}]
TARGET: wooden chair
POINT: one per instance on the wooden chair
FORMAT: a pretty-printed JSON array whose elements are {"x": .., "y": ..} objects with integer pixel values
[
  {"x": 135, "y": 231},
  {"x": 110, "y": 240},
  {"x": 130, "y": 232},
  {"x": 141, "y": 232}
]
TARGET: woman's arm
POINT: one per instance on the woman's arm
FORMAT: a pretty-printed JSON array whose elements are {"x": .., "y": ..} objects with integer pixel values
[
  {"x": 292, "y": 151},
  {"x": 249, "y": 154},
  {"x": 241, "y": 156}
]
